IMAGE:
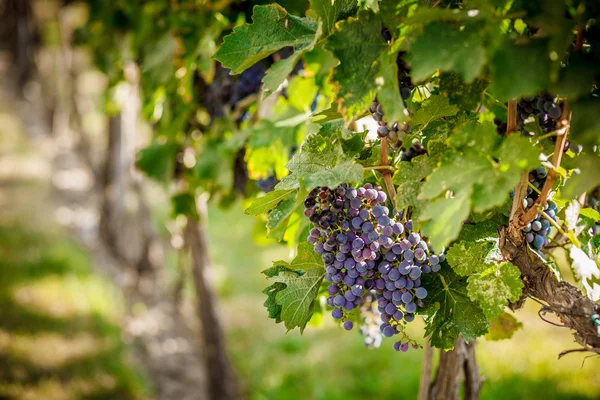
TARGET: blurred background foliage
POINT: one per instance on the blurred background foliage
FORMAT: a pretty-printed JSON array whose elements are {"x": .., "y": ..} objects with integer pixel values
[{"x": 64, "y": 330}]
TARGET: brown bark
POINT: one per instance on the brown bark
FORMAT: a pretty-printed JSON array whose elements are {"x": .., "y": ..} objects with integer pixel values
[
  {"x": 425, "y": 382},
  {"x": 453, "y": 365},
  {"x": 222, "y": 383},
  {"x": 566, "y": 301},
  {"x": 473, "y": 379},
  {"x": 447, "y": 378}
]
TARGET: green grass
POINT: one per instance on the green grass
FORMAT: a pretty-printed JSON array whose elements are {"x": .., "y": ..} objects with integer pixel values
[
  {"x": 330, "y": 363},
  {"x": 59, "y": 325}
]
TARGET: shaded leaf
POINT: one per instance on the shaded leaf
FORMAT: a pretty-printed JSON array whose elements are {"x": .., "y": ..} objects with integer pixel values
[{"x": 449, "y": 310}]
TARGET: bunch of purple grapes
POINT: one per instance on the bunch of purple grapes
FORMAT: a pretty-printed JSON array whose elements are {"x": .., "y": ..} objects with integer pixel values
[
  {"x": 415, "y": 150},
  {"x": 543, "y": 107},
  {"x": 536, "y": 232},
  {"x": 368, "y": 253},
  {"x": 248, "y": 83}
]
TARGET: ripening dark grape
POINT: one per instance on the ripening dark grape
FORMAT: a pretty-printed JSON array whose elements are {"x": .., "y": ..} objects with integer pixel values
[
  {"x": 369, "y": 257},
  {"x": 248, "y": 83},
  {"x": 536, "y": 232}
]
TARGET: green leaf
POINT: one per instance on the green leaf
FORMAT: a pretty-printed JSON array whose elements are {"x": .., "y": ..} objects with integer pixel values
[
  {"x": 331, "y": 11},
  {"x": 584, "y": 130},
  {"x": 158, "y": 64},
  {"x": 346, "y": 171},
  {"x": 407, "y": 195},
  {"x": 467, "y": 258},
  {"x": 291, "y": 296},
  {"x": 503, "y": 326},
  {"x": 434, "y": 108},
  {"x": 388, "y": 91},
  {"x": 268, "y": 202},
  {"x": 278, "y": 217},
  {"x": 415, "y": 170},
  {"x": 475, "y": 169},
  {"x": 184, "y": 204},
  {"x": 157, "y": 160},
  {"x": 306, "y": 258},
  {"x": 270, "y": 304},
  {"x": 484, "y": 226},
  {"x": 444, "y": 47},
  {"x": 587, "y": 177},
  {"x": 590, "y": 213},
  {"x": 527, "y": 76},
  {"x": 272, "y": 29},
  {"x": 358, "y": 44},
  {"x": 494, "y": 287},
  {"x": 278, "y": 72},
  {"x": 313, "y": 167},
  {"x": 465, "y": 96},
  {"x": 457, "y": 174},
  {"x": 449, "y": 310},
  {"x": 444, "y": 218},
  {"x": 518, "y": 152}
]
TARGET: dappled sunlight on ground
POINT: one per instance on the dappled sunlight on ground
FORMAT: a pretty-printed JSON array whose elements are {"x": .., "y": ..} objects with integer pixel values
[{"x": 60, "y": 297}]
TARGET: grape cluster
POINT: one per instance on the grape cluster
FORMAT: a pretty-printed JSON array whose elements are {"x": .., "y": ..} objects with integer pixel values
[
  {"x": 248, "y": 83},
  {"x": 543, "y": 107},
  {"x": 415, "y": 150},
  {"x": 395, "y": 132},
  {"x": 367, "y": 253},
  {"x": 536, "y": 232}
]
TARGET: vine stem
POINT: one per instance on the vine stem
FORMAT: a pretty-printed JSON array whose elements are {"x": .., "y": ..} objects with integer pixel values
[
  {"x": 387, "y": 177},
  {"x": 553, "y": 173},
  {"x": 579, "y": 38}
]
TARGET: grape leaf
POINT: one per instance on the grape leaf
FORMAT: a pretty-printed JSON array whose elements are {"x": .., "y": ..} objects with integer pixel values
[
  {"x": 516, "y": 151},
  {"x": 526, "y": 77},
  {"x": 449, "y": 311},
  {"x": 407, "y": 195},
  {"x": 584, "y": 130},
  {"x": 346, "y": 171},
  {"x": 483, "y": 226},
  {"x": 586, "y": 178},
  {"x": 465, "y": 96},
  {"x": 473, "y": 168},
  {"x": 268, "y": 202},
  {"x": 467, "y": 258},
  {"x": 444, "y": 47},
  {"x": 494, "y": 287},
  {"x": 306, "y": 258},
  {"x": 278, "y": 217},
  {"x": 295, "y": 286},
  {"x": 388, "y": 91},
  {"x": 272, "y": 29},
  {"x": 457, "y": 174},
  {"x": 156, "y": 160},
  {"x": 434, "y": 108},
  {"x": 415, "y": 170},
  {"x": 270, "y": 304},
  {"x": 328, "y": 167},
  {"x": 358, "y": 44},
  {"x": 331, "y": 11},
  {"x": 444, "y": 218},
  {"x": 503, "y": 326}
]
